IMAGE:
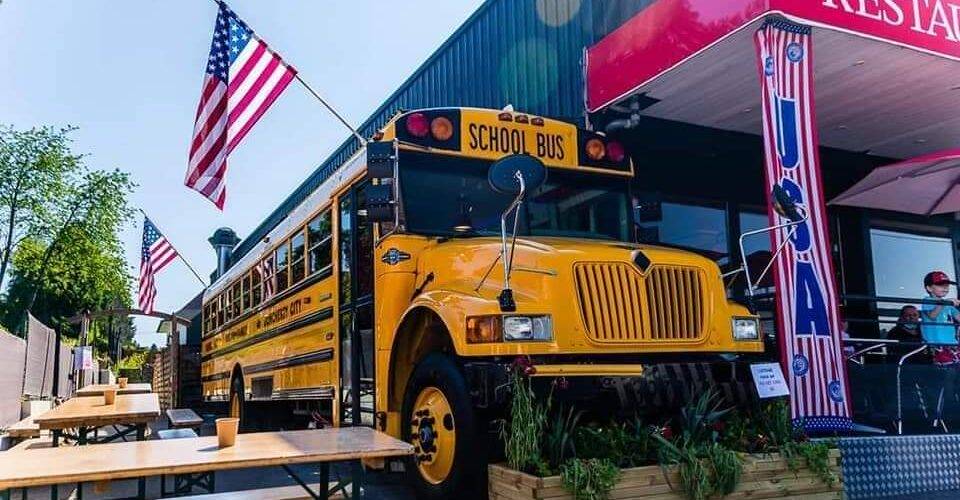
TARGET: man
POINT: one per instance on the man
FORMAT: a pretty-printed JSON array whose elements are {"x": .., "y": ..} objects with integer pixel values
[{"x": 907, "y": 330}]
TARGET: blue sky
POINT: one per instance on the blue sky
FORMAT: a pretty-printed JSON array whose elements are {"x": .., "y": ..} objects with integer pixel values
[{"x": 128, "y": 74}]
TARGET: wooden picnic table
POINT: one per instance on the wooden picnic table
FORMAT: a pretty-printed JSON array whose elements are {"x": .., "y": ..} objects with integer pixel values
[
  {"x": 97, "y": 389},
  {"x": 132, "y": 411},
  {"x": 28, "y": 468}
]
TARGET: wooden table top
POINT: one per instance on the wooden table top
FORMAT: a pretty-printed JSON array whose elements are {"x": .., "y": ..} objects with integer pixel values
[
  {"x": 92, "y": 412},
  {"x": 97, "y": 389},
  {"x": 133, "y": 459}
]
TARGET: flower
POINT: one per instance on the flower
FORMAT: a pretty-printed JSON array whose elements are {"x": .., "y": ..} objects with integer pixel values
[
  {"x": 719, "y": 425},
  {"x": 666, "y": 432}
]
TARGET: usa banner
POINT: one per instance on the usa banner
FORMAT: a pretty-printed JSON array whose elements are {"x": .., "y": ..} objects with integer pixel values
[{"x": 807, "y": 317}]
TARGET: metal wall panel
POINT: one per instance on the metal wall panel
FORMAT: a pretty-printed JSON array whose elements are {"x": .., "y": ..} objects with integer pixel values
[
  {"x": 12, "y": 353},
  {"x": 521, "y": 52}
]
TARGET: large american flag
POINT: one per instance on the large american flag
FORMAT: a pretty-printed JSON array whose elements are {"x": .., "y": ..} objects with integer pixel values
[
  {"x": 155, "y": 254},
  {"x": 243, "y": 78},
  {"x": 808, "y": 321}
]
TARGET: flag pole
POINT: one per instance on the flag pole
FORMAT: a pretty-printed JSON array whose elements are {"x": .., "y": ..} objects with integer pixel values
[
  {"x": 180, "y": 255},
  {"x": 363, "y": 142}
]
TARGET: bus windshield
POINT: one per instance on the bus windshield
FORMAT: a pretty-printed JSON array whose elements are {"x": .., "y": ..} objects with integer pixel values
[{"x": 445, "y": 196}]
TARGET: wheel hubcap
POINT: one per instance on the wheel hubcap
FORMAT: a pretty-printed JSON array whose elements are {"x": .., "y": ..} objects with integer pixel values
[{"x": 433, "y": 434}]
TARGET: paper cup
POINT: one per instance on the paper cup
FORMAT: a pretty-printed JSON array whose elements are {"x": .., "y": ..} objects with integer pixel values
[
  {"x": 109, "y": 396},
  {"x": 122, "y": 382},
  {"x": 227, "y": 431}
]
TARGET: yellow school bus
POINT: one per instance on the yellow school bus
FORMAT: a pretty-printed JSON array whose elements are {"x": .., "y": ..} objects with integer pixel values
[{"x": 399, "y": 292}]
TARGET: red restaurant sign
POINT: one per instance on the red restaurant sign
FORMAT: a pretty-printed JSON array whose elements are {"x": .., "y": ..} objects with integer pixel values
[{"x": 670, "y": 31}]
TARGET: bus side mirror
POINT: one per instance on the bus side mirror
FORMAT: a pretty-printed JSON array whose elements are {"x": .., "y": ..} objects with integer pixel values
[
  {"x": 381, "y": 160},
  {"x": 380, "y": 207}
]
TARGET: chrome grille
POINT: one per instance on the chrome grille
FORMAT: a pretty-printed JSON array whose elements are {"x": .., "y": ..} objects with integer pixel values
[{"x": 619, "y": 305}]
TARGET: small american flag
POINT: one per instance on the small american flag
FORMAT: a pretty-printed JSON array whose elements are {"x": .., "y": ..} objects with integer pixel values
[
  {"x": 156, "y": 254},
  {"x": 243, "y": 78},
  {"x": 266, "y": 272}
]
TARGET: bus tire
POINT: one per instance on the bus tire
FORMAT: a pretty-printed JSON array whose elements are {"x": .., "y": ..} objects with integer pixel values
[
  {"x": 438, "y": 419},
  {"x": 235, "y": 403}
]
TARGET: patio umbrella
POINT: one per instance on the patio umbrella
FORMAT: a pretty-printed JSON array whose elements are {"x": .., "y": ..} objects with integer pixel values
[{"x": 925, "y": 185}]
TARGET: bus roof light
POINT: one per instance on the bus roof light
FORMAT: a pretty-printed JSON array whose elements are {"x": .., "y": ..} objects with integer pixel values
[
  {"x": 595, "y": 149},
  {"x": 417, "y": 125},
  {"x": 441, "y": 128},
  {"x": 505, "y": 117},
  {"x": 615, "y": 151},
  {"x": 522, "y": 119},
  {"x": 536, "y": 120}
]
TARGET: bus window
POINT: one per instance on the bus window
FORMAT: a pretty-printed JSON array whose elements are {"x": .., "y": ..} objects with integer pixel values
[
  {"x": 235, "y": 300},
  {"x": 219, "y": 306},
  {"x": 281, "y": 263},
  {"x": 296, "y": 258},
  {"x": 246, "y": 292},
  {"x": 319, "y": 239},
  {"x": 364, "y": 246},
  {"x": 256, "y": 292},
  {"x": 346, "y": 246}
]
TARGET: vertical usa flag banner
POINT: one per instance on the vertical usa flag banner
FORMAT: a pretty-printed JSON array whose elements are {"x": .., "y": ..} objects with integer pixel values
[
  {"x": 243, "y": 78},
  {"x": 808, "y": 320}
]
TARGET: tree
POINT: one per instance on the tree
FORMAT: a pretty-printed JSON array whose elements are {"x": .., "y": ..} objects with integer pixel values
[
  {"x": 78, "y": 262},
  {"x": 35, "y": 166}
]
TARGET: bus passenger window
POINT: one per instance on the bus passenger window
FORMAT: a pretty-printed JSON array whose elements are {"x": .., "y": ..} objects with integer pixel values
[
  {"x": 281, "y": 263},
  {"x": 346, "y": 246},
  {"x": 227, "y": 310},
  {"x": 235, "y": 300},
  {"x": 296, "y": 258},
  {"x": 246, "y": 292},
  {"x": 256, "y": 293},
  {"x": 319, "y": 240},
  {"x": 219, "y": 306}
]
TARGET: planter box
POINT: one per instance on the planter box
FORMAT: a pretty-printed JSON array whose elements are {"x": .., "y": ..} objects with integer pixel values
[{"x": 766, "y": 476}]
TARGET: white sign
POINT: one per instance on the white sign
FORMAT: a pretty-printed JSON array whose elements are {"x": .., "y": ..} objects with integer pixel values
[
  {"x": 83, "y": 358},
  {"x": 768, "y": 378}
]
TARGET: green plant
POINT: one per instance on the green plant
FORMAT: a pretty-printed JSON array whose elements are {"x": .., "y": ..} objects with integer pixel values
[
  {"x": 558, "y": 439},
  {"x": 589, "y": 479},
  {"x": 628, "y": 445},
  {"x": 523, "y": 433},
  {"x": 815, "y": 454},
  {"x": 705, "y": 466}
]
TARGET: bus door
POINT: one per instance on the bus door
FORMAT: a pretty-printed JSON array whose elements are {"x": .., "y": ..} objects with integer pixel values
[{"x": 357, "y": 348}]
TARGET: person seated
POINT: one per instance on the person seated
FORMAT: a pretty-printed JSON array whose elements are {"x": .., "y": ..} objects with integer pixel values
[{"x": 907, "y": 330}]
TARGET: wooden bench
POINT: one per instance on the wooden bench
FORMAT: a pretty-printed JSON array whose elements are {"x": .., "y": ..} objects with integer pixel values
[
  {"x": 184, "y": 483},
  {"x": 277, "y": 493},
  {"x": 24, "y": 429},
  {"x": 32, "y": 444},
  {"x": 184, "y": 418}
]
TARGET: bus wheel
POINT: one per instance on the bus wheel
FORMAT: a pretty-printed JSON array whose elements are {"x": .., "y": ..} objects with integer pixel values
[
  {"x": 235, "y": 406},
  {"x": 438, "y": 420}
]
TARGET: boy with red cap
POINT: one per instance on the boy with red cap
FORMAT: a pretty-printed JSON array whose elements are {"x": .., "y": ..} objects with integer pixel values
[{"x": 939, "y": 328}]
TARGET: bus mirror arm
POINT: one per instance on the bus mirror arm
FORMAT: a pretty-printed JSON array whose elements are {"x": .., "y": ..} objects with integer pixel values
[
  {"x": 792, "y": 225},
  {"x": 507, "y": 304}
]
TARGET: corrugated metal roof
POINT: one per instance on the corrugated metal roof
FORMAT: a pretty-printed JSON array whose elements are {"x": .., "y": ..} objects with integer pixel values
[{"x": 522, "y": 52}]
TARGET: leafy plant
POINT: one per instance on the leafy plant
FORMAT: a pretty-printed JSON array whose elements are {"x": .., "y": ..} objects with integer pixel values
[
  {"x": 558, "y": 439},
  {"x": 589, "y": 479},
  {"x": 815, "y": 454},
  {"x": 523, "y": 433},
  {"x": 705, "y": 466},
  {"x": 628, "y": 445}
]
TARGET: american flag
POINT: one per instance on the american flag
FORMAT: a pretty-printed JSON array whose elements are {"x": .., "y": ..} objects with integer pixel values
[
  {"x": 155, "y": 254},
  {"x": 243, "y": 78},
  {"x": 266, "y": 272},
  {"x": 808, "y": 321}
]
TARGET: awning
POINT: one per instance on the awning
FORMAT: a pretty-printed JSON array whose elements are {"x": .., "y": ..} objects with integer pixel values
[{"x": 887, "y": 72}]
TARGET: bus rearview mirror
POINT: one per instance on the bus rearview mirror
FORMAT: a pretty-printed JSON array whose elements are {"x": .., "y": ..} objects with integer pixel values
[
  {"x": 380, "y": 207},
  {"x": 381, "y": 159},
  {"x": 503, "y": 174}
]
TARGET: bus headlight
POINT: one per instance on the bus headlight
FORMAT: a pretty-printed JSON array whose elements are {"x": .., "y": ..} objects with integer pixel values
[
  {"x": 746, "y": 329},
  {"x": 527, "y": 328}
]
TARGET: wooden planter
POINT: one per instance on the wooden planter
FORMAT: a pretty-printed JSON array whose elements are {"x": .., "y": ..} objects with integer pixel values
[{"x": 766, "y": 476}]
